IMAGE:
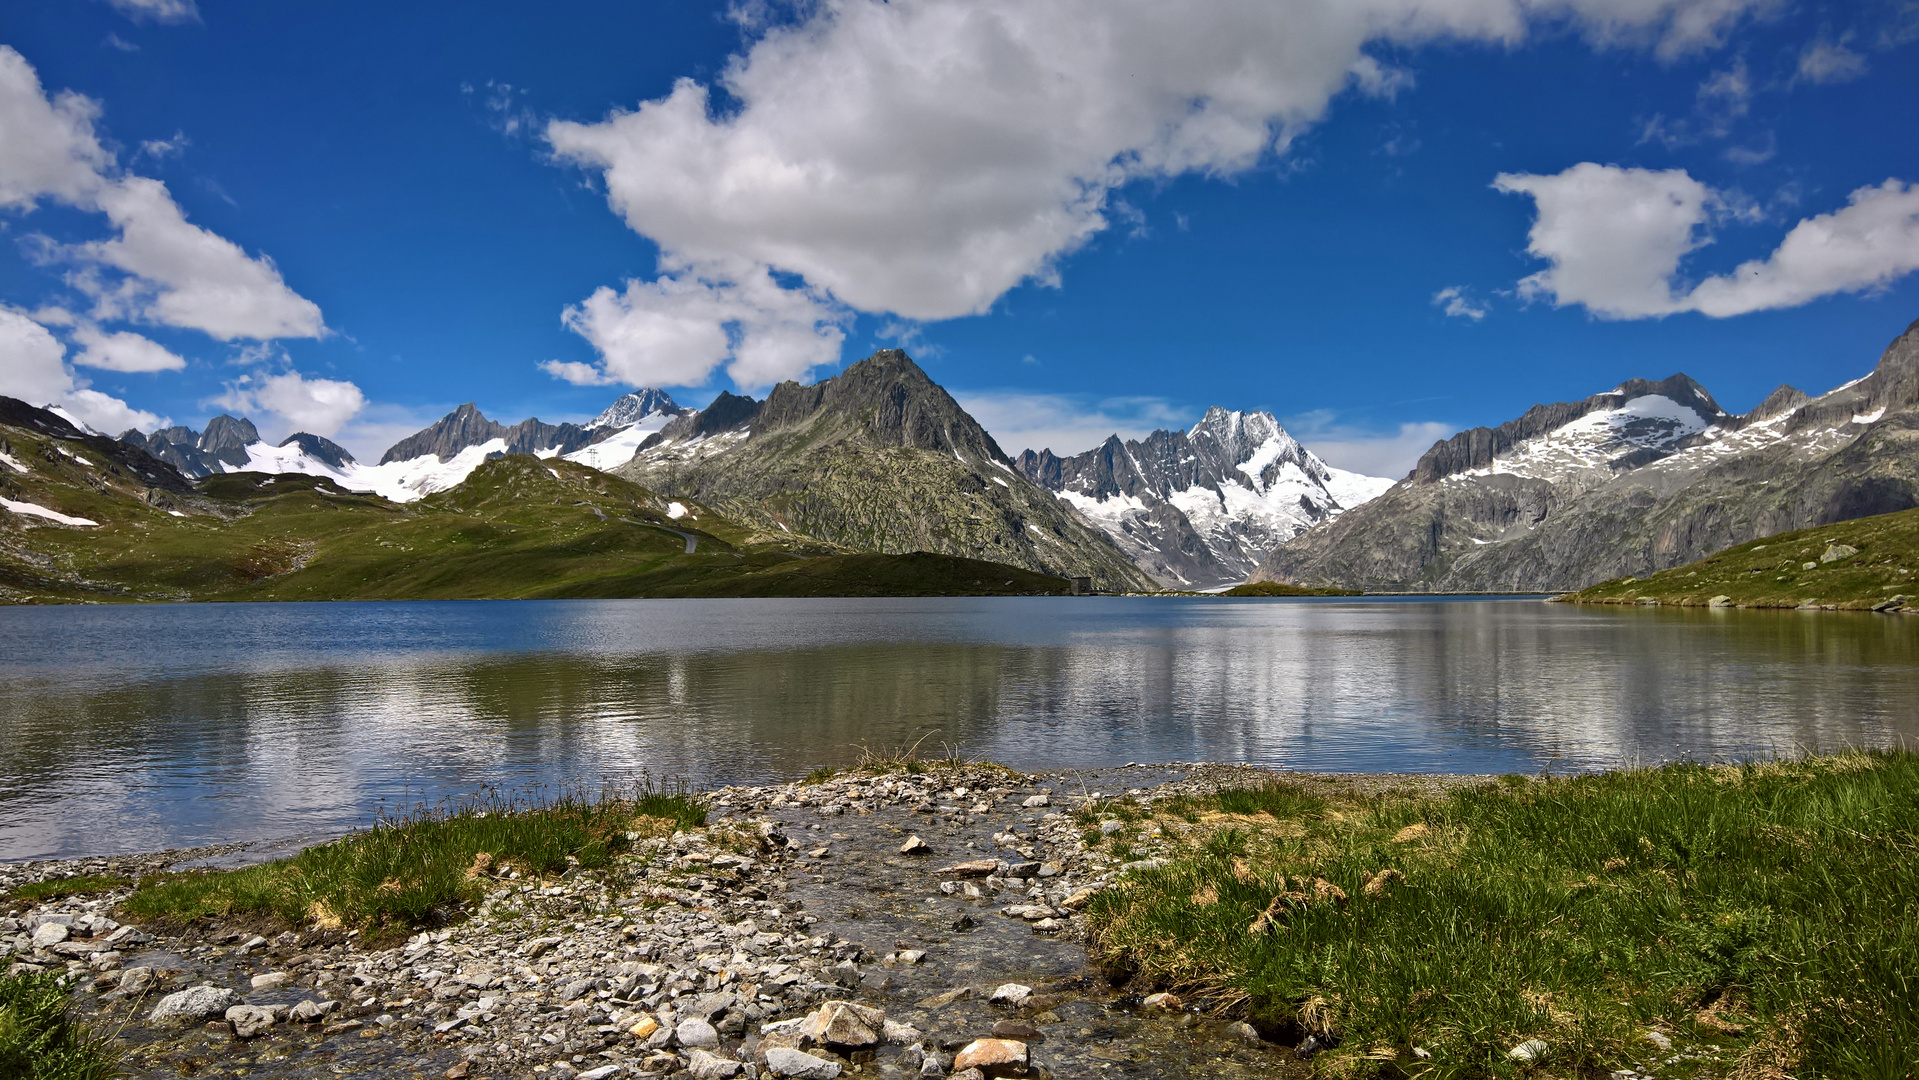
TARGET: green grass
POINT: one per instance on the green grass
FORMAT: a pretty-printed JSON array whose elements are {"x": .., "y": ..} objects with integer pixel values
[
  {"x": 84, "y": 885},
  {"x": 1772, "y": 573},
  {"x": 424, "y": 868},
  {"x": 1766, "y": 913},
  {"x": 37, "y": 1039},
  {"x": 1274, "y": 588}
]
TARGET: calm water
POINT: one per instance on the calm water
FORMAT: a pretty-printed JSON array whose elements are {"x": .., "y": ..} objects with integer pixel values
[{"x": 138, "y": 728}]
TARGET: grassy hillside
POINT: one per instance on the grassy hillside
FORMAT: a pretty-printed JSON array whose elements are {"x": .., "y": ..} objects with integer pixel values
[
  {"x": 518, "y": 527},
  {"x": 1795, "y": 569}
]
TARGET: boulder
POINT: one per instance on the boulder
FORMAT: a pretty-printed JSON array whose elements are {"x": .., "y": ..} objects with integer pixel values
[
  {"x": 47, "y": 935},
  {"x": 249, "y": 1021},
  {"x": 842, "y": 1024},
  {"x": 197, "y": 1003},
  {"x": 1010, "y": 994},
  {"x": 781, "y": 1061},
  {"x": 696, "y": 1033},
  {"x": 272, "y": 980},
  {"x": 1832, "y": 554},
  {"x": 993, "y": 1057},
  {"x": 135, "y": 981},
  {"x": 706, "y": 1066}
]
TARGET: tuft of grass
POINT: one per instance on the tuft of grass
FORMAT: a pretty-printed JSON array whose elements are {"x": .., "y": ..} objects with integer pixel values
[
  {"x": 84, "y": 885},
  {"x": 423, "y": 867},
  {"x": 39, "y": 1041},
  {"x": 1277, "y": 799},
  {"x": 1762, "y": 914}
]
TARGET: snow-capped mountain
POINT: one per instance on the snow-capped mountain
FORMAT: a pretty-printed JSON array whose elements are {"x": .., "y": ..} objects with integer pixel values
[
  {"x": 1642, "y": 478},
  {"x": 1200, "y": 508},
  {"x": 433, "y": 459}
]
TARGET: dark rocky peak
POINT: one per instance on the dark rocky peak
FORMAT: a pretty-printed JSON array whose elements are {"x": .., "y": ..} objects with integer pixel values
[
  {"x": 1477, "y": 447},
  {"x": 463, "y": 427},
  {"x": 1893, "y": 386},
  {"x": 323, "y": 450},
  {"x": 1778, "y": 403},
  {"x": 631, "y": 408},
  {"x": 227, "y": 438},
  {"x": 179, "y": 434},
  {"x": 889, "y": 400},
  {"x": 728, "y": 412}
]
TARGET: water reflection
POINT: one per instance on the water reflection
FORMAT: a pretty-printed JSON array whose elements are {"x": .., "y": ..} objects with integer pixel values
[{"x": 138, "y": 728}]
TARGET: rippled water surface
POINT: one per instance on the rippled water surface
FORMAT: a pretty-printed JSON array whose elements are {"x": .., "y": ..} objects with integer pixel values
[{"x": 138, "y": 728}]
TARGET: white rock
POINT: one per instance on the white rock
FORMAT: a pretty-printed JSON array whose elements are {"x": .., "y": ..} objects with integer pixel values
[
  {"x": 272, "y": 980},
  {"x": 1659, "y": 1039},
  {"x": 696, "y": 1033},
  {"x": 197, "y": 1003},
  {"x": 249, "y": 1020},
  {"x": 1530, "y": 1051},
  {"x": 705, "y": 1066},
  {"x": 781, "y": 1061},
  {"x": 1034, "y": 801},
  {"x": 48, "y": 934},
  {"x": 602, "y": 1072},
  {"x": 1010, "y": 994}
]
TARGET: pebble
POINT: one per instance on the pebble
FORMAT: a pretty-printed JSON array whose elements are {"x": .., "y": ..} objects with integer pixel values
[{"x": 1010, "y": 994}]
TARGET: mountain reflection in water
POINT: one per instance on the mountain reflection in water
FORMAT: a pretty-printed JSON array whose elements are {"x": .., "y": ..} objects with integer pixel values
[{"x": 138, "y": 728}]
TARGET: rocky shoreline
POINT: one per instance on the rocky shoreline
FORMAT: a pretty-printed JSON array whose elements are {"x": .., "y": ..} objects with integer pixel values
[{"x": 913, "y": 923}]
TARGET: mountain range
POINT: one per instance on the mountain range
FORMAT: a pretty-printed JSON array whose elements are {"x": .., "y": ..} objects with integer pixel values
[
  {"x": 1199, "y": 509},
  {"x": 1642, "y": 478}
]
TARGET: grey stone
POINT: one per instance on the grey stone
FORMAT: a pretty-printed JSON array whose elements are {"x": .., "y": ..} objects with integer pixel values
[
  {"x": 312, "y": 1012},
  {"x": 696, "y": 1033},
  {"x": 800, "y": 1065},
  {"x": 49, "y": 934},
  {"x": 1244, "y": 1032},
  {"x": 706, "y": 1066},
  {"x": 1010, "y": 994},
  {"x": 249, "y": 1021},
  {"x": 135, "y": 981},
  {"x": 1836, "y": 552},
  {"x": 573, "y": 991},
  {"x": 272, "y": 980},
  {"x": 196, "y": 1003}
]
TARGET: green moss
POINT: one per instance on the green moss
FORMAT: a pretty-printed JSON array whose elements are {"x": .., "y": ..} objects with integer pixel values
[
  {"x": 422, "y": 869},
  {"x": 1773, "y": 572},
  {"x": 1763, "y": 914},
  {"x": 73, "y": 886}
]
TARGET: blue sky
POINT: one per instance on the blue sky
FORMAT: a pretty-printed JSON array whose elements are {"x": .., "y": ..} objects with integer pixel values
[{"x": 1079, "y": 216}]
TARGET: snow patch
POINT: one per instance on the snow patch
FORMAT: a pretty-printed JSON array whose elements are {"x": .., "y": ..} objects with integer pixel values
[
  {"x": 12, "y": 461},
  {"x": 611, "y": 453},
  {"x": 51, "y": 515},
  {"x": 676, "y": 511},
  {"x": 1871, "y": 417}
]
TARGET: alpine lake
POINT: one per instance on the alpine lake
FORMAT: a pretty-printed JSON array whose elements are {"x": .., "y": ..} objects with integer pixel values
[{"x": 139, "y": 728}]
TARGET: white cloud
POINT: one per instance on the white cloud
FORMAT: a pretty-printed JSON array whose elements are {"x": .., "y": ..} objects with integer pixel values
[
  {"x": 33, "y": 368},
  {"x": 165, "y": 148},
  {"x": 47, "y": 146},
  {"x": 1365, "y": 450},
  {"x": 1067, "y": 424},
  {"x": 159, "y": 268},
  {"x": 1829, "y": 62},
  {"x": 577, "y": 373},
  {"x": 1870, "y": 242},
  {"x": 922, "y": 158},
  {"x": 183, "y": 275},
  {"x": 674, "y": 331},
  {"x": 123, "y": 351},
  {"x": 161, "y": 11},
  {"x": 1459, "y": 303},
  {"x": 1615, "y": 238},
  {"x": 319, "y": 406}
]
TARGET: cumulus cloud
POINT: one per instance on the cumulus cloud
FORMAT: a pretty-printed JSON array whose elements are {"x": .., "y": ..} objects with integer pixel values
[
  {"x": 922, "y": 158},
  {"x": 1067, "y": 424},
  {"x": 319, "y": 406},
  {"x": 1615, "y": 238},
  {"x": 123, "y": 351},
  {"x": 158, "y": 268},
  {"x": 160, "y": 11},
  {"x": 674, "y": 331},
  {"x": 33, "y": 368},
  {"x": 1458, "y": 303},
  {"x": 1391, "y": 453}
]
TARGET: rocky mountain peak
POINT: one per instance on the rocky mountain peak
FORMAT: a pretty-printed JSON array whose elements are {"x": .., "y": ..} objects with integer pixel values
[
  {"x": 889, "y": 400},
  {"x": 631, "y": 408},
  {"x": 320, "y": 449},
  {"x": 227, "y": 438}
]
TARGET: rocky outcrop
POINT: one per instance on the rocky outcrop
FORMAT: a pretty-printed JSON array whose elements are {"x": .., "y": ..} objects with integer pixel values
[
  {"x": 322, "y": 450},
  {"x": 1200, "y": 508},
  {"x": 878, "y": 458},
  {"x": 467, "y": 426},
  {"x": 630, "y": 409},
  {"x": 1559, "y": 508}
]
